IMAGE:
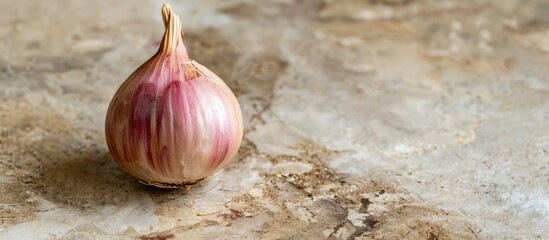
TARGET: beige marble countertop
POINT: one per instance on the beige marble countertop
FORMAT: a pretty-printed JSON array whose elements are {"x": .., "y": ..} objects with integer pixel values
[{"x": 364, "y": 119}]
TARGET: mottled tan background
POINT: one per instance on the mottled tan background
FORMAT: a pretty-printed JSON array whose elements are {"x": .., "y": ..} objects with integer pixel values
[{"x": 365, "y": 119}]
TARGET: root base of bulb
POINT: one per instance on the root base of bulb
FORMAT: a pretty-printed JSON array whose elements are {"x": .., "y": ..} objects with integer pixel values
[{"x": 183, "y": 185}]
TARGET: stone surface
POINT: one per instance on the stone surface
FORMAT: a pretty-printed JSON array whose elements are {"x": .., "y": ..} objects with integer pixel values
[{"x": 365, "y": 119}]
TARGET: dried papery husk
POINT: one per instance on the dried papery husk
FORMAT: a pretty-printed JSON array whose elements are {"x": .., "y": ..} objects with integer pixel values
[{"x": 173, "y": 122}]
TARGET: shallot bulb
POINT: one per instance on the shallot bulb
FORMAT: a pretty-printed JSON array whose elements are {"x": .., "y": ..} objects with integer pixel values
[{"x": 173, "y": 122}]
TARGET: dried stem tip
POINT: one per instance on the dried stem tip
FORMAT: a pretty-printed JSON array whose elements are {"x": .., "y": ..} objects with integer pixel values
[{"x": 174, "y": 34}]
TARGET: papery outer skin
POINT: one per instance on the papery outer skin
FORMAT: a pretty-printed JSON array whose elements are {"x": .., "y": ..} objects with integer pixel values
[{"x": 173, "y": 121}]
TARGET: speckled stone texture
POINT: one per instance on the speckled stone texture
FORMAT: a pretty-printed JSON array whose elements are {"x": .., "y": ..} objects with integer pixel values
[{"x": 364, "y": 119}]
